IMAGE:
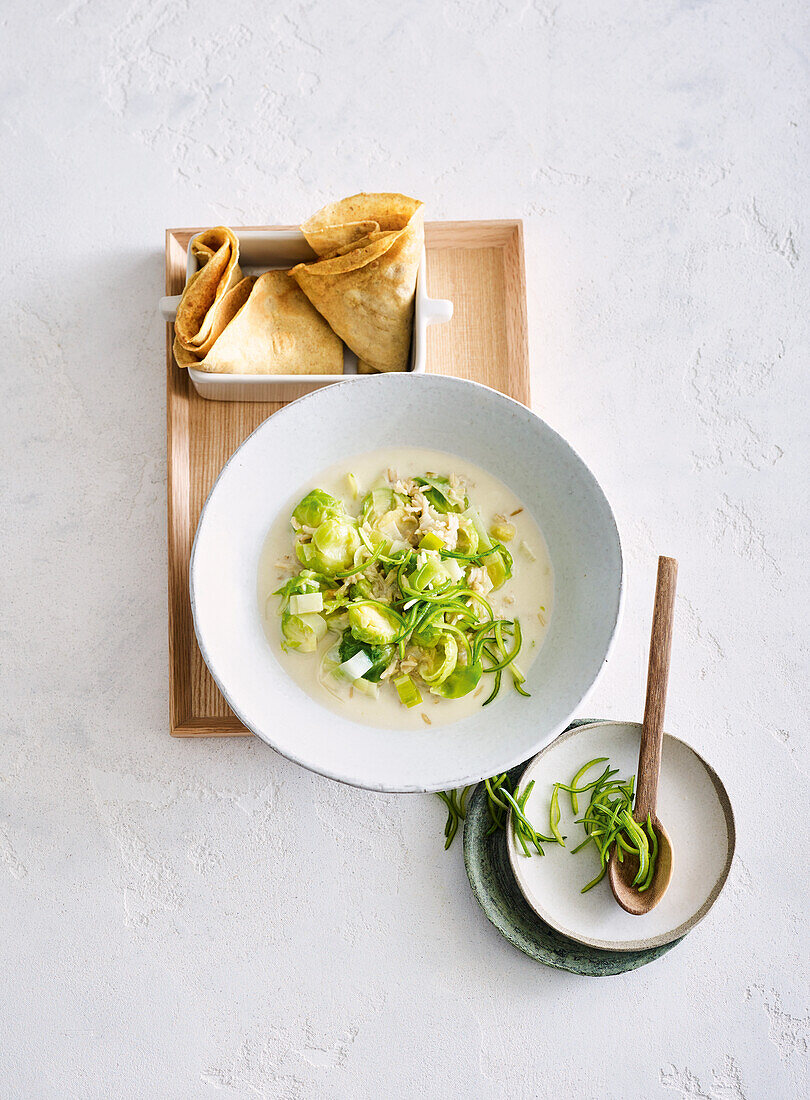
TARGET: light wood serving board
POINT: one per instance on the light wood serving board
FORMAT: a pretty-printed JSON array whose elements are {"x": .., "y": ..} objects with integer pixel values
[{"x": 478, "y": 266}]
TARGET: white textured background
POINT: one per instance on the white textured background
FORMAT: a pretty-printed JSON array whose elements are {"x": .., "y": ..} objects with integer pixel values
[{"x": 184, "y": 919}]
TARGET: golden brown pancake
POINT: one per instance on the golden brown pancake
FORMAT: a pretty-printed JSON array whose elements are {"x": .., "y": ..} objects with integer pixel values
[{"x": 277, "y": 331}]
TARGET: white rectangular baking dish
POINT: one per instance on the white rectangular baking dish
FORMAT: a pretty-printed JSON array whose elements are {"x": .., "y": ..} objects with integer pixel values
[{"x": 263, "y": 249}]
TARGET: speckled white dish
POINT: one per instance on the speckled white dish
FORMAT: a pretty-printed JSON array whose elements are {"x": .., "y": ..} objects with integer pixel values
[
  {"x": 692, "y": 804},
  {"x": 261, "y": 250},
  {"x": 434, "y": 412}
]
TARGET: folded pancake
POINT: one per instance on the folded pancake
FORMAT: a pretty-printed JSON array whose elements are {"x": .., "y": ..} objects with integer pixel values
[
  {"x": 388, "y": 209},
  {"x": 277, "y": 331},
  {"x": 217, "y": 252},
  {"x": 366, "y": 291},
  {"x": 328, "y": 239},
  {"x": 226, "y": 310},
  {"x": 361, "y": 242}
]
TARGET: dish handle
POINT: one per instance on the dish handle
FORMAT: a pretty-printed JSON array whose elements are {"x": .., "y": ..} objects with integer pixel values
[
  {"x": 437, "y": 311},
  {"x": 168, "y": 307}
]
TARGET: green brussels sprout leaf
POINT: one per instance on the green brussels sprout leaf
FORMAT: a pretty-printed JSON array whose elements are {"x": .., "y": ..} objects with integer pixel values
[
  {"x": 333, "y": 547},
  {"x": 303, "y": 632},
  {"x": 438, "y": 665},
  {"x": 380, "y": 655},
  {"x": 461, "y": 681},
  {"x": 374, "y": 623},
  {"x": 315, "y": 507}
]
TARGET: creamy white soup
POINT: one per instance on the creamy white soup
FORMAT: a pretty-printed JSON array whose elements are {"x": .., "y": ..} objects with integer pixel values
[{"x": 391, "y": 565}]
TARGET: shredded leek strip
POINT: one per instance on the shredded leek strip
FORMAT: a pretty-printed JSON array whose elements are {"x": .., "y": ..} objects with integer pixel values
[
  {"x": 584, "y": 843},
  {"x": 455, "y": 801},
  {"x": 647, "y": 882},
  {"x": 366, "y": 541},
  {"x": 453, "y": 607},
  {"x": 496, "y": 687},
  {"x": 497, "y": 781},
  {"x": 522, "y": 826},
  {"x": 522, "y": 800},
  {"x": 477, "y": 559},
  {"x": 554, "y": 815},
  {"x": 469, "y": 594},
  {"x": 509, "y": 658},
  {"x": 585, "y": 767},
  {"x": 608, "y": 821},
  {"x": 433, "y": 596},
  {"x": 594, "y": 882},
  {"x": 462, "y": 637},
  {"x": 642, "y": 846},
  {"x": 481, "y": 639},
  {"x": 359, "y": 568},
  {"x": 622, "y": 844}
]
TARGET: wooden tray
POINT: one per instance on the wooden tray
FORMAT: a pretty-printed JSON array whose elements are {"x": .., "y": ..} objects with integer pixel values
[{"x": 478, "y": 266}]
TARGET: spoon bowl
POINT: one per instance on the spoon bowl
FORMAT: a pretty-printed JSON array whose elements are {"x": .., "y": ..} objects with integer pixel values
[{"x": 621, "y": 875}]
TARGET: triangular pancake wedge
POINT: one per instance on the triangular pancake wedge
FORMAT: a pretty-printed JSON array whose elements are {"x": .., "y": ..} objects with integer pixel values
[
  {"x": 328, "y": 239},
  {"x": 367, "y": 294},
  {"x": 388, "y": 209},
  {"x": 276, "y": 331}
]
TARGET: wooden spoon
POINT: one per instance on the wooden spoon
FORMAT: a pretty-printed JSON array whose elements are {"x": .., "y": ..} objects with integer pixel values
[{"x": 621, "y": 875}]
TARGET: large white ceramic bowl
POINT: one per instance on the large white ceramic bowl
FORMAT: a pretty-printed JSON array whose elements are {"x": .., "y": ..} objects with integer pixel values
[{"x": 430, "y": 411}]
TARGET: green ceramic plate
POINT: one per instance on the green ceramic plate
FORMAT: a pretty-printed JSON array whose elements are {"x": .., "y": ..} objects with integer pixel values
[{"x": 487, "y": 861}]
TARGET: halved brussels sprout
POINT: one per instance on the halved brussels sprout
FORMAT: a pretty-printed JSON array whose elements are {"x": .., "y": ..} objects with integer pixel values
[
  {"x": 499, "y": 563},
  {"x": 315, "y": 507},
  {"x": 427, "y": 636},
  {"x": 380, "y": 655},
  {"x": 441, "y": 493},
  {"x": 430, "y": 574},
  {"x": 499, "y": 567},
  {"x": 395, "y": 526},
  {"x": 461, "y": 681},
  {"x": 337, "y": 621},
  {"x": 361, "y": 589},
  {"x": 303, "y": 632},
  {"x": 333, "y": 547},
  {"x": 467, "y": 538},
  {"x": 305, "y": 582},
  {"x": 374, "y": 623},
  {"x": 473, "y": 518},
  {"x": 378, "y": 502},
  {"x": 439, "y": 663}
]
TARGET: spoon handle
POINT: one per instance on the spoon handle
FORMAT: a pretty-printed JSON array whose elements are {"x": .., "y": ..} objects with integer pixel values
[{"x": 652, "y": 733}]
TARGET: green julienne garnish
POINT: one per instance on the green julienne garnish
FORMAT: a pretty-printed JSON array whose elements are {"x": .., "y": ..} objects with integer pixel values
[
  {"x": 405, "y": 583},
  {"x": 608, "y": 821}
]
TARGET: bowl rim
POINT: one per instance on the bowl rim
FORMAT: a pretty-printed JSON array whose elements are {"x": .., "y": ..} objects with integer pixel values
[
  {"x": 467, "y": 779},
  {"x": 662, "y": 938}
]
